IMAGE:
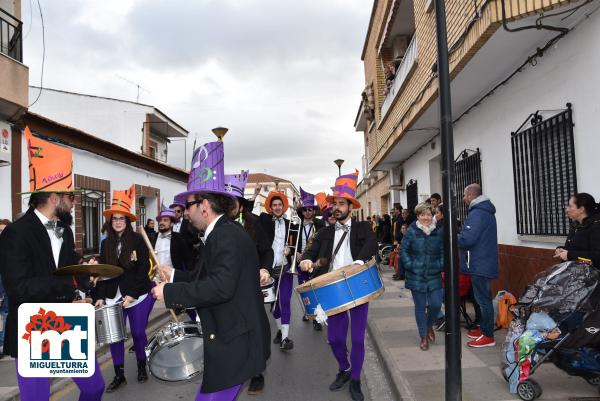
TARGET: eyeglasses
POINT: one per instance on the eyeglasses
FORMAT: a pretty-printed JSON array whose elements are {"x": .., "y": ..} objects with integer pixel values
[
  {"x": 188, "y": 205},
  {"x": 118, "y": 219},
  {"x": 70, "y": 195}
]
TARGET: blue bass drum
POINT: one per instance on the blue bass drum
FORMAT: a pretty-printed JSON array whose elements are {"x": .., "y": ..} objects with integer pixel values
[{"x": 342, "y": 289}]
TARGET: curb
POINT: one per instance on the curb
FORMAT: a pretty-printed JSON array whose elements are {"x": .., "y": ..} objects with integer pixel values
[{"x": 102, "y": 355}]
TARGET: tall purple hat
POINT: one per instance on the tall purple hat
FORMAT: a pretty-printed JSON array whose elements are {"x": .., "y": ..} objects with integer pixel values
[
  {"x": 236, "y": 183},
  {"x": 179, "y": 200},
  {"x": 306, "y": 199},
  {"x": 207, "y": 171},
  {"x": 170, "y": 213}
]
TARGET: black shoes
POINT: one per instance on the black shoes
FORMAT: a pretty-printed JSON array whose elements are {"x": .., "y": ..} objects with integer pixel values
[
  {"x": 257, "y": 383},
  {"x": 118, "y": 380},
  {"x": 304, "y": 318},
  {"x": 342, "y": 378},
  {"x": 355, "y": 391},
  {"x": 142, "y": 374},
  {"x": 277, "y": 339},
  {"x": 286, "y": 344},
  {"x": 131, "y": 350},
  {"x": 317, "y": 326}
]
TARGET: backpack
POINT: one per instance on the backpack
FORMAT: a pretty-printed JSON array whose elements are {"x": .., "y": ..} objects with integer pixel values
[{"x": 504, "y": 317}]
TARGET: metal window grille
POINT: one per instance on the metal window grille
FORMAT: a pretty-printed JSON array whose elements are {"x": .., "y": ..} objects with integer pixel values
[
  {"x": 467, "y": 170},
  {"x": 92, "y": 205},
  {"x": 142, "y": 211},
  {"x": 412, "y": 195},
  {"x": 544, "y": 174},
  {"x": 11, "y": 42}
]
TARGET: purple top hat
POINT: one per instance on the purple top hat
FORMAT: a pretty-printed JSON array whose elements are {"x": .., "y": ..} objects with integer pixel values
[
  {"x": 306, "y": 199},
  {"x": 235, "y": 183},
  {"x": 207, "y": 172},
  {"x": 167, "y": 213},
  {"x": 178, "y": 201}
]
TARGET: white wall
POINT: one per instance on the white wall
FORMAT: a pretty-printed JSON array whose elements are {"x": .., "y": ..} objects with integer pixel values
[
  {"x": 5, "y": 191},
  {"x": 119, "y": 122},
  {"x": 567, "y": 73}
]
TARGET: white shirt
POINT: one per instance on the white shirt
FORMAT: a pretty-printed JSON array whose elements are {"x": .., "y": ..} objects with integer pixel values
[
  {"x": 307, "y": 230},
  {"x": 177, "y": 226},
  {"x": 278, "y": 245},
  {"x": 55, "y": 242},
  {"x": 344, "y": 255},
  {"x": 207, "y": 232},
  {"x": 163, "y": 249}
]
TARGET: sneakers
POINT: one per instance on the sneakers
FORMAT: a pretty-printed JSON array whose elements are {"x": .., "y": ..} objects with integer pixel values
[
  {"x": 277, "y": 339},
  {"x": 440, "y": 324},
  {"x": 355, "y": 391},
  {"x": 286, "y": 344},
  {"x": 482, "y": 341},
  {"x": 317, "y": 326},
  {"x": 257, "y": 383},
  {"x": 340, "y": 379},
  {"x": 304, "y": 318},
  {"x": 474, "y": 333}
]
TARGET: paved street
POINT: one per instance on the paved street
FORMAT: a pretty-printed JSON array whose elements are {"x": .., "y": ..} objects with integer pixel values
[{"x": 301, "y": 374}]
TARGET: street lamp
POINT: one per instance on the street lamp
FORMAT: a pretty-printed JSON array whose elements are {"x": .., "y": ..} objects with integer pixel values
[
  {"x": 339, "y": 163},
  {"x": 220, "y": 132}
]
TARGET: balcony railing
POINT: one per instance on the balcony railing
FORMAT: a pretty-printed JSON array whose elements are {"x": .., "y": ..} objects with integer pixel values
[
  {"x": 402, "y": 73},
  {"x": 11, "y": 39}
]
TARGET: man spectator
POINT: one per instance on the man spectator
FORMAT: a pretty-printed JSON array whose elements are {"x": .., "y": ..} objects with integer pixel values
[
  {"x": 396, "y": 224},
  {"x": 478, "y": 241},
  {"x": 435, "y": 199}
]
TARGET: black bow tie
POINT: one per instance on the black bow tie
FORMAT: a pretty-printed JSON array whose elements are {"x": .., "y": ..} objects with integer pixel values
[
  {"x": 165, "y": 236},
  {"x": 339, "y": 226},
  {"x": 51, "y": 225}
]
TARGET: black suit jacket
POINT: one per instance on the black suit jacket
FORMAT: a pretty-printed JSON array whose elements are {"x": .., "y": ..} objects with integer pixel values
[
  {"x": 363, "y": 245},
  {"x": 27, "y": 266},
  {"x": 182, "y": 254},
  {"x": 134, "y": 281},
  {"x": 226, "y": 292},
  {"x": 268, "y": 225}
]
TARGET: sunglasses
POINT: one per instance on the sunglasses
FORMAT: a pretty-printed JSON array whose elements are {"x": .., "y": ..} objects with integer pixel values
[
  {"x": 188, "y": 205},
  {"x": 308, "y": 209}
]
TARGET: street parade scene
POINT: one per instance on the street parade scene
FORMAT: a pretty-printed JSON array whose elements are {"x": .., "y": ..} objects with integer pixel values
[{"x": 347, "y": 200}]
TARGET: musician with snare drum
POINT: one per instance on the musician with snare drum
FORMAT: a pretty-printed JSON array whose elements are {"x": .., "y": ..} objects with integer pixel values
[
  {"x": 125, "y": 248},
  {"x": 345, "y": 243},
  {"x": 33, "y": 247},
  {"x": 224, "y": 287}
]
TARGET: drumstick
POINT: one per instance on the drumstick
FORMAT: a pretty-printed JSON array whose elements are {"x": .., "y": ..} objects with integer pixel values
[{"x": 152, "y": 271}]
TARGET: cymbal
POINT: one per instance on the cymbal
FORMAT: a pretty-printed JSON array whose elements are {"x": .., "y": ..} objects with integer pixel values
[{"x": 102, "y": 270}]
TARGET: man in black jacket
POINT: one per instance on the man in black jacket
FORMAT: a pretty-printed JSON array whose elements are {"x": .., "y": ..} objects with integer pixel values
[
  {"x": 224, "y": 287},
  {"x": 343, "y": 244},
  {"x": 169, "y": 245},
  {"x": 32, "y": 248}
]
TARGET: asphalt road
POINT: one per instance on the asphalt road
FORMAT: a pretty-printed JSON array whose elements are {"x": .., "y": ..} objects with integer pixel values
[{"x": 303, "y": 373}]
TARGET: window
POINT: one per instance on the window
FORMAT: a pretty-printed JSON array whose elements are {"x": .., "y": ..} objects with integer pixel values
[
  {"x": 544, "y": 173},
  {"x": 142, "y": 211},
  {"x": 153, "y": 149},
  {"x": 92, "y": 206},
  {"x": 467, "y": 170},
  {"x": 412, "y": 195}
]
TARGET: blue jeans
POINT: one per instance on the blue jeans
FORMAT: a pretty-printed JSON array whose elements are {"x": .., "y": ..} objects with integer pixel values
[
  {"x": 483, "y": 298},
  {"x": 427, "y": 308}
]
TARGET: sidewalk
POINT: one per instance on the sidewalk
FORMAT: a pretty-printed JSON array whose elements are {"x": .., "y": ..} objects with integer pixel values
[
  {"x": 419, "y": 375},
  {"x": 9, "y": 390}
]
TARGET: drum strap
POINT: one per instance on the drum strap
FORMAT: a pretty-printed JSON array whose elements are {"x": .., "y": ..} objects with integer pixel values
[{"x": 337, "y": 249}]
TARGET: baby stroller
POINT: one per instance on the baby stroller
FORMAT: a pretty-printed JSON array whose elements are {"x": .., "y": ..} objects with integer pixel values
[{"x": 556, "y": 320}]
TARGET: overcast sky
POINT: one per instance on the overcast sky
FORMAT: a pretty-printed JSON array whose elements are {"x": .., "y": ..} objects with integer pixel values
[{"x": 284, "y": 76}]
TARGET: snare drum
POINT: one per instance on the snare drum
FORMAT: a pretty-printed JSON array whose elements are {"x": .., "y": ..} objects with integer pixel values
[
  {"x": 268, "y": 291},
  {"x": 110, "y": 325},
  {"x": 342, "y": 289},
  {"x": 176, "y": 352}
]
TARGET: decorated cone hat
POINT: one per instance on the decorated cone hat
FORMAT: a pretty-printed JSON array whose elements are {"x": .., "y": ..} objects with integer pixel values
[
  {"x": 170, "y": 213},
  {"x": 325, "y": 207},
  {"x": 50, "y": 166},
  {"x": 306, "y": 199},
  {"x": 122, "y": 203},
  {"x": 276, "y": 194},
  {"x": 207, "y": 174},
  {"x": 236, "y": 183},
  {"x": 345, "y": 187}
]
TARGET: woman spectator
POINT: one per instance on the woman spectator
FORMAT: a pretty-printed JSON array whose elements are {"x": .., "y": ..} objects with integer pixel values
[
  {"x": 583, "y": 240},
  {"x": 421, "y": 253}
]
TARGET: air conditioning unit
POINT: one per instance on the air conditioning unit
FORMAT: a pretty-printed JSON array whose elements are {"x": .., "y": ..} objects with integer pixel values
[
  {"x": 397, "y": 179},
  {"x": 399, "y": 46}
]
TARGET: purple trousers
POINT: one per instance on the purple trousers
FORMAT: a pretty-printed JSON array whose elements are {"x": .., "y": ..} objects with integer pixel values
[
  {"x": 138, "y": 320},
  {"x": 282, "y": 308},
  {"x": 337, "y": 333},
  {"x": 38, "y": 388},
  {"x": 229, "y": 394}
]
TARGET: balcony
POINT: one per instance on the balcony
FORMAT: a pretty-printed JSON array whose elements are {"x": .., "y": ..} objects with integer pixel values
[
  {"x": 403, "y": 72},
  {"x": 13, "y": 75}
]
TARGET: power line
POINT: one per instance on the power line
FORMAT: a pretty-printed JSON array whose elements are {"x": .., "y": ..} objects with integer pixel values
[{"x": 43, "y": 55}]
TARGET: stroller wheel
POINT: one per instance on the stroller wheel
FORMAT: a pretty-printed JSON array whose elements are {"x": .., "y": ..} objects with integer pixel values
[{"x": 529, "y": 390}]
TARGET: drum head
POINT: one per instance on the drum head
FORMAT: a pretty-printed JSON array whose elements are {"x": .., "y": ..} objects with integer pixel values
[{"x": 179, "y": 360}]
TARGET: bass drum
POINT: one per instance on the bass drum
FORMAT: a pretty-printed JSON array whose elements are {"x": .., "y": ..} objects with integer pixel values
[{"x": 176, "y": 352}]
